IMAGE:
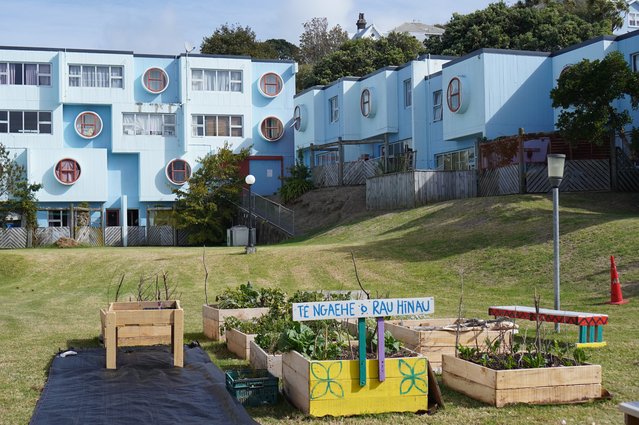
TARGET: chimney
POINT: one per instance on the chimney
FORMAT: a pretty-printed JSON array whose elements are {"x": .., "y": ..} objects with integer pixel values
[{"x": 361, "y": 22}]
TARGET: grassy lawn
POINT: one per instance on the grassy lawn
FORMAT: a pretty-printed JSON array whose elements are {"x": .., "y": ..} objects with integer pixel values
[{"x": 503, "y": 247}]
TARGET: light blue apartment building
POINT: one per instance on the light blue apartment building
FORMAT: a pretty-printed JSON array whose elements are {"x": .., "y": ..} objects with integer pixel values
[
  {"x": 438, "y": 107},
  {"x": 119, "y": 131}
]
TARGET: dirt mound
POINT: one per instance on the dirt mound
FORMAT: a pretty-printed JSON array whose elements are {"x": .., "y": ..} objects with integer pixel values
[
  {"x": 326, "y": 207},
  {"x": 66, "y": 243}
]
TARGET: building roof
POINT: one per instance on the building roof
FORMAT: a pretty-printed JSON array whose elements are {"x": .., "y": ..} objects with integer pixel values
[
  {"x": 369, "y": 32},
  {"x": 419, "y": 28}
]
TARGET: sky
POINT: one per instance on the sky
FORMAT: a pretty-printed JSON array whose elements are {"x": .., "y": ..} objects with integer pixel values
[{"x": 163, "y": 27}]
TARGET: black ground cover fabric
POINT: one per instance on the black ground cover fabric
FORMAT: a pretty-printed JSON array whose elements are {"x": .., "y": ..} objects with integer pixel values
[{"x": 144, "y": 389}]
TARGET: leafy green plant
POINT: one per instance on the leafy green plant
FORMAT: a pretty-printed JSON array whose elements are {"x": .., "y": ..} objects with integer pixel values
[
  {"x": 247, "y": 296},
  {"x": 298, "y": 182}
]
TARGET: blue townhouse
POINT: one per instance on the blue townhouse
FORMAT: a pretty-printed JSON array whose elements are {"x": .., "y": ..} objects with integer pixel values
[
  {"x": 118, "y": 131},
  {"x": 436, "y": 108}
]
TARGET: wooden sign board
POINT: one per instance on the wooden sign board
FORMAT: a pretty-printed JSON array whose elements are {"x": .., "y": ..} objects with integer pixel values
[{"x": 354, "y": 309}]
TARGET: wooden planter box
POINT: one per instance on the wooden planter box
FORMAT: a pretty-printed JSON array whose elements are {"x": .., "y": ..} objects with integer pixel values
[
  {"x": 321, "y": 388},
  {"x": 435, "y": 343},
  {"x": 238, "y": 343},
  {"x": 127, "y": 324},
  {"x": 260, "y": 359},
  {"x": 213, "y": 318},
  {"x": 553, "y": 385}
]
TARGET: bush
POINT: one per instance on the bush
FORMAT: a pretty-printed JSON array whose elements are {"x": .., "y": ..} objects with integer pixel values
[{"x": 298, "y": 183}]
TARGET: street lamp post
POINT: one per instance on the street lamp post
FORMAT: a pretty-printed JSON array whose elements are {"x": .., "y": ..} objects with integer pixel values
[
  {"x": 250, "y": 248},
  {"x": 555, "y": 175}
]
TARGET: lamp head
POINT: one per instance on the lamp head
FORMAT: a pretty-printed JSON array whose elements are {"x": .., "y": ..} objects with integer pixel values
[
  {"x": 556, "y": 168},
  {"x": 250, "y": 179}
]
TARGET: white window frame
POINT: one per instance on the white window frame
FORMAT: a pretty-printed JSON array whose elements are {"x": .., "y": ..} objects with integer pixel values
[
  {"x": 40, "y": 121},
  {"x": 4, "y": 75},
  {"x": 195, "y": 125},
  {"x": 365, "y": 102},
  {"x": 333, "y": 107},
  {"x": 57, "y": 218},
  {"x": 408, "y": 93},
  {"x": 235, "y": 83},
  {"x": 458, "y": 166},
  {"x": 131, "y": 129},
  {"x": 438, "y": 110},
  {"x": 633, "y": 19},
  {"x": 112, "y": 77}
]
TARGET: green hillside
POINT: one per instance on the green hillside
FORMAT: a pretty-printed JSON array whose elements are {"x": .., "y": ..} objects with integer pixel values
[{"x": 502, "y": 247}]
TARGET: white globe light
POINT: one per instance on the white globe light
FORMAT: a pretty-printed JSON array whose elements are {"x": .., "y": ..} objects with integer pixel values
[{"x": 250, "y": 179}]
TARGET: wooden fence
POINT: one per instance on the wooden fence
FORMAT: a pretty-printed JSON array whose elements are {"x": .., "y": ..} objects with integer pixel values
[
  {"x": 414, "y": 188},
  {"x": 354, "y": 173},
  {"x": 15, "y": 237},
  {"x": 584, "y": 175}
]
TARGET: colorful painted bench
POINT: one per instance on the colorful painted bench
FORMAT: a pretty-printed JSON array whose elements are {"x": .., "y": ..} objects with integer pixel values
[{"x": 590, "y": 324}]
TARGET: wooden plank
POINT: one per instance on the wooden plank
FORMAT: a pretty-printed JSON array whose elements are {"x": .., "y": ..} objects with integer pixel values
[
  {"x": 238, "y": 343},
  {"x": 213, "y": 319},
  {"x": 260, "y": 359},
  {"x": 559, "y": 376},
  {"x": 178, "y": 337},
  {"x": 548, "y": 395},
  {"x": 144, "y": 317},
  {"x": 110, "y": 338},
  {"x": 483, "y": 376},
  {"x": 470, "y": 388},
  {"x": 295, "y": 380}
]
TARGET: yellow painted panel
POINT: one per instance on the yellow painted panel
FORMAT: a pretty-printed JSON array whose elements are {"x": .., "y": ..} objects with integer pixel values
[
  {"x": 350, "y": 368},
  {"x": 591, "y": 344},
  {"x": 335, "y": 389},
  {"x": 372, "y": 404}
]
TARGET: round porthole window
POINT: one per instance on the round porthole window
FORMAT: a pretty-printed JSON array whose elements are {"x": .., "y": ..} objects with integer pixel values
[
  {"x": 367, "y": 102},
  {"x": 178, "y": 171},
  {"x": 457, "y": 95},
  {"x": 299, "y": 118},
  {"x": 272, "y": 129},
  {"x": 67, "y": 171},
  {"x": 271, "y": 84},
  {"x": 88, "y": 125},
  {"x": 155, "y": 80}
]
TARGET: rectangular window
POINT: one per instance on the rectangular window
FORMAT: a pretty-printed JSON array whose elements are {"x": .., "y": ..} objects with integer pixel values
[
  {"x": 34, "y": 122},
  {"x": 634, "y": 58},
  {"x": 148, "y": 124},
  {"x": 216, "y": 80},
  {"x": 458, "y": 160},
  {"x": 103, "y": 76},
  {"x": 408, "y": 93},
  {"x": 133, "y": 217},
  {"x": 217, "y": 125},
  {"x": 437, "y": 105},
  {"x": 333, "y": 109},
  {"x": 58, "y": 218},
  {"x": 326, "y": 158},
  {"x": 633, "y": 19},
  {"x": 112, "y": 218}
]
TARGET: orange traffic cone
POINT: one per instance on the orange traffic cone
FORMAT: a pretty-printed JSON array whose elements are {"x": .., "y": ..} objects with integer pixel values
[{"x": 616, "y": 296}]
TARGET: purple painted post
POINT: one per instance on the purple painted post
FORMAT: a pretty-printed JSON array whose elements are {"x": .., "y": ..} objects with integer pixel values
[{"x": 381, "y": 349}]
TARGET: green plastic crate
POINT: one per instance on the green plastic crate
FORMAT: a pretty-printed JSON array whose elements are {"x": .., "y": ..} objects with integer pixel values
[{"x": 252, "y": 387}]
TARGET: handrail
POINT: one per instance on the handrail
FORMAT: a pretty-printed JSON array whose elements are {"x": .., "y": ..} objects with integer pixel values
[{"x": 276, "y": 214}]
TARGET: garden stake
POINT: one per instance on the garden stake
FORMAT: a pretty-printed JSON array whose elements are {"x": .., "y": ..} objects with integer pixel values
[
  {"x": 361, "y": 330},
  {"x": 381, "y": 350}
]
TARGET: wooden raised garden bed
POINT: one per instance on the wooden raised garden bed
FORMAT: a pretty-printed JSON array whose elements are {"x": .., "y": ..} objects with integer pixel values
[
  {"x": 433, "y": 344},
  {"x": 238, "y": 343},
  {"x": 552, "y": 385},
  {"x": 127, "y": 324},
  {"x": 260, "y": 359},
  {"x": 213, "y": 318},
  {"x": 332, "y": 387}
]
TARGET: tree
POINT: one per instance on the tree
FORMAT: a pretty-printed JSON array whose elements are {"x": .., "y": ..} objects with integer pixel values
[
  {"x": 586, "y": 92},
  {"x": 283, "y": 49},
  {"x": 16, "y": 193},
  {"x": 205, "y": 206},
  {"x": 519, "y": 27},
  {"x": 237, "y": 40},
  {"x": 363, "y": 56},
  {"x": 592, "y": 11},
  {"x": 318, "y": 41}
]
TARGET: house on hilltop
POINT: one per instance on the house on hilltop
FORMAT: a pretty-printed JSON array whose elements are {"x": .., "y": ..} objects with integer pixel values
[{"x": 419, "y": 30}]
